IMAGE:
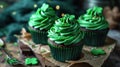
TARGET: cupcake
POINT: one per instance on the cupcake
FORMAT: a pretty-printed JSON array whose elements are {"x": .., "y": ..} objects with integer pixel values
[
  {"x": 65, "y": 39},
  {"x": 95, "y": 26},
  {"x": 40, "y": 22}
]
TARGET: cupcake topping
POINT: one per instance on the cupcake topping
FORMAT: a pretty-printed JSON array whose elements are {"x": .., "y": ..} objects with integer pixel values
[
  {"x": 93, "y": 19},
  {"x": 66, "y": 31},
  {"x": 44, "y": 18}
]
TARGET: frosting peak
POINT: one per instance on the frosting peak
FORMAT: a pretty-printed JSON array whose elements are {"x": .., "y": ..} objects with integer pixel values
[
  {"x": 95, "y": 11},
  {"x": 66, "y": 31},
  {"x": 44, "y": 18},
  {"x": 93, "y": 19},
  {"x": 44, "y": 7}
]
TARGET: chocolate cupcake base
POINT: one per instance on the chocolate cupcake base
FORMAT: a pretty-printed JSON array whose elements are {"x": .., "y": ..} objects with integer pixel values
[
  {"x": 38, "y": 37},
  {"x": 95, "y": 38},
  {"x": 63, "y": 53}
]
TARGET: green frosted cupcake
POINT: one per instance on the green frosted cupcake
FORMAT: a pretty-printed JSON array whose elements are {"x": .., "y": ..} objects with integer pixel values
[
  {"x": 95, "y": 26},
  {"x": 65, "y": 39},
  {"x": 40, "y": 22}
]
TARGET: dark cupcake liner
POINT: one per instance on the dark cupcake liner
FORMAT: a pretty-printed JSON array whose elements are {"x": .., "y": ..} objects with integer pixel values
[
  {"x": 63, "y": 54},
  {"x": 39, "y": 37},
  {"x": 95, "y": 38}
]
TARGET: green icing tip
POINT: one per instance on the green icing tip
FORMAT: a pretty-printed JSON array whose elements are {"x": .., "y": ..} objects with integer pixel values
[
  {"x": 97, "y": 51},
  {"x": 44, "y": 7},
  {"x": 98, "y": 9},
  {"x": 31, "y": 61},
  {"x": 95, "y": 10},
  {"x": 69, "y": 17}
]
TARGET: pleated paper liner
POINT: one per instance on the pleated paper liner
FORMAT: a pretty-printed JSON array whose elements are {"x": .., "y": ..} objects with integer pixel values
[
  {"x": 95, "y": 38},
  {"x": 39, "y": 37},
  {"x": 63, "y": 54}
]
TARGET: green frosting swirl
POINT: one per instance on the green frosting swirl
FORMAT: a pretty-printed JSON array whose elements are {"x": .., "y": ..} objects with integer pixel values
[
  {"x": 66, "y": 31},
  {"x": 44, "y": 18},
  {"x": 93, "y": 19}
]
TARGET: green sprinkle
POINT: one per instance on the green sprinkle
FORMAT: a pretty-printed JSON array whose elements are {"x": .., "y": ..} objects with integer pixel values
[
  {"x": 15, "y": 44},
  {"x": 97, "y": 51}
]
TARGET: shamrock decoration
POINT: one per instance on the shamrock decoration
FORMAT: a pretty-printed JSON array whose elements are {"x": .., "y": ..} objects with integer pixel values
[
  {"x": 95, "y": 11},
  {"x": 12, "y": 61},
  {"x": 98, "y": 51},
  {"x": 31, "y": 61}
]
